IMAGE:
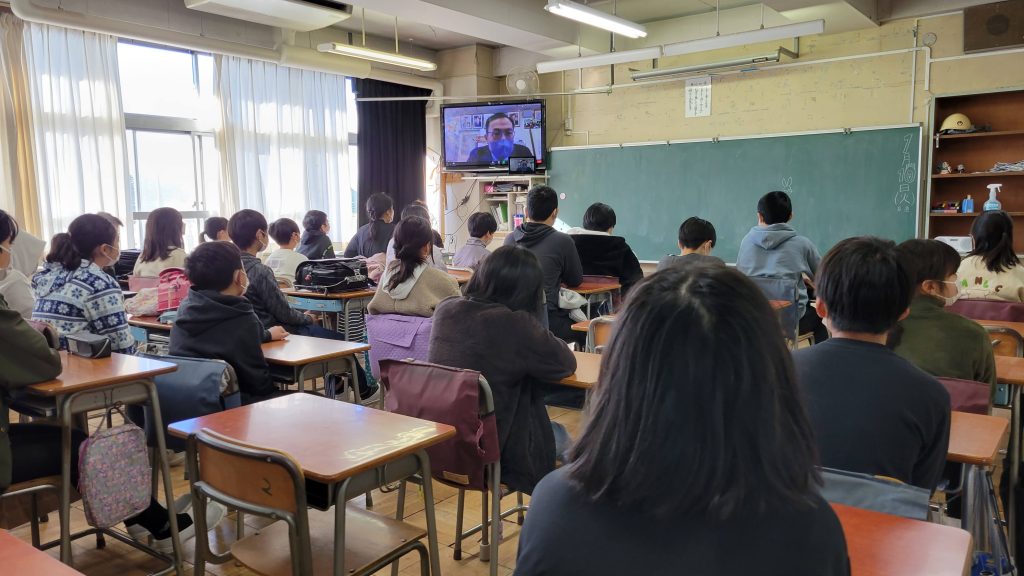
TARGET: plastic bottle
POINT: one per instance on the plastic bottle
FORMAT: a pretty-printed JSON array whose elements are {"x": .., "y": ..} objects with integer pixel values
[
  {"x": 967, "y": 206},
  {"x": 993, "y": 202}
]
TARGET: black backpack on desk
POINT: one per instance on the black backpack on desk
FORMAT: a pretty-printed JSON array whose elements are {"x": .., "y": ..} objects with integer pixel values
[{"x": 332, "y": 275}]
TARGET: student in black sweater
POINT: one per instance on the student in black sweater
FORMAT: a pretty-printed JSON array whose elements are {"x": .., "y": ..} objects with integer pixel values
[
  {"x": 696, "y": 457},
  {"x": 873, "y": 412},
  {"x": 372, "y": 238},
  {"x": 556, "y": 253},
  {"x": 215, "y": 321},
  {"x": 494, "y": 330},
  {"x": 601, "y": 253},
  {"x": 315, "y": 243}
]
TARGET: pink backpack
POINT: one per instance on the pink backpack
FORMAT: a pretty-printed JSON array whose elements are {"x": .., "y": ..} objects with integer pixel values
[
  {"x": 114, "y": 474},
  {"x": 172, "y": 289}
]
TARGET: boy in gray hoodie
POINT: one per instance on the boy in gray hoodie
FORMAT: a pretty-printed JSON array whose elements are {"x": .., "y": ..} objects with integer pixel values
[{"x": 774, "y": 249}]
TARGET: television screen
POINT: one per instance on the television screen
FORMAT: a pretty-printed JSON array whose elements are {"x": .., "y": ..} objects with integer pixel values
[{"x": 485, "y": 136}]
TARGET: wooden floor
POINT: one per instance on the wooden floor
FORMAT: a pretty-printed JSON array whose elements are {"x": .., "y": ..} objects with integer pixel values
[{"x": 120, "y": 560}]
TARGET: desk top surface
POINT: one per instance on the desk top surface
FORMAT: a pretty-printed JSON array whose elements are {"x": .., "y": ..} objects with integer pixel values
[
  {"x": 883, "y": 544},
  {"x": 975, "y": 438},
  {"x": 297, "y": 350},
  {"x": 367, "y": 293},
  {"x": 1010, "y": 370},
  {"x": 19, "y": 557},
  {"x": 80, "y": 374},
  {"x": 148, "y": 322},
  {"x": 330, "y": 440},
  {"x": 461, "y": 276},
  {"x": 588, "y": 369}
]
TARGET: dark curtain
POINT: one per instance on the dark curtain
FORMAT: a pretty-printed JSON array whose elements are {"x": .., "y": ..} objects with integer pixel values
[{"x": 392, "y": 143}]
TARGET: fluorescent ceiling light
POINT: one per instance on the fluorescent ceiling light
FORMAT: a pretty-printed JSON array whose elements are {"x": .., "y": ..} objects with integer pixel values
[
  {"x": 600, "y": 60},
  {"x": 377, "y": 56},
  {"x": 749, "y": 37},
  {"x": 747, "y": 61},
  {"x": 592, "y": 17}
]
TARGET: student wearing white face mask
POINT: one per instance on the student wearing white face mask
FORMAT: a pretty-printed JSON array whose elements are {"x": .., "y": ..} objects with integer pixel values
[
  {"x": 944, "y": 344},
  {"x": 74, "y": 294},
  {"x": 24, "y": 259}
]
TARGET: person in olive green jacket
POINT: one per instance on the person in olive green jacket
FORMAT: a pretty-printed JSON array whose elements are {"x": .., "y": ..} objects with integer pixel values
[
  {"x": 944, "y": 344},
  {"x": 25, "y": 356}
]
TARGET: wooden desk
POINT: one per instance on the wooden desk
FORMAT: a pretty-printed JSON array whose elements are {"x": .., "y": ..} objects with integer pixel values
[
  {"x": 884, "y": 545},
  {"x": 974, "y": 441},
  {"x": 776, "y": 305},
  {"x": 86, "y": 385},
  {"x": 1010, "y": 370},
  {"x": 302, "y": 352},
  {"x": 341, "y": 304},
  {"x": 461, "y": 275},
  {"x": 588, "y": 369},
  {"x": 19, "y": 557},
  {"x": 343, "y": 445}
]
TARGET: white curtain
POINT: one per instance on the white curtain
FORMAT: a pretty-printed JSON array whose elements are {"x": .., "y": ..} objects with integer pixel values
[
  {"x": 78, "y": 126},
  {"x": 283, "y": 142}
]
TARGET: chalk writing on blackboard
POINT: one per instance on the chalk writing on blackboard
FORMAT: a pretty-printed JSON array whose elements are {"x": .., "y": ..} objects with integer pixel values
[{"x": 907, "y": 176}]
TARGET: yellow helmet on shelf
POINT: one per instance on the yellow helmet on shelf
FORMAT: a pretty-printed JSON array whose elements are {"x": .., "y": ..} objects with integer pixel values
[{"x": 956, "y": 122}]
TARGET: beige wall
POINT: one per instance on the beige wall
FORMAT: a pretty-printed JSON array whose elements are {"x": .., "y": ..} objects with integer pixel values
[{"x": 870, "y": 91}]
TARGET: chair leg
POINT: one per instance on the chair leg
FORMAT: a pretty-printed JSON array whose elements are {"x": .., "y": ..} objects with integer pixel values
[
  {"x": 35, "y": 520},
  {"x": 519, "y": 503},
  {"x": 459, "y": 511},
  {"x": 400, "y": 515},
  {"x": 239, "y": 524},
  {"x": 495, "y": 517},
  {"x": 485, "y": 549},
  {"x": 369, "y": 499}
]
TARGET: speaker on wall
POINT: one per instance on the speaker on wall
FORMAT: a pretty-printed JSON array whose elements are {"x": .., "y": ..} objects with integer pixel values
[{"x": 994, "y": 26}]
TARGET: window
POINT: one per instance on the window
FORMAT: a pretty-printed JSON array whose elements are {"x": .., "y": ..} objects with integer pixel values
[{"x": 168, "y": 102}]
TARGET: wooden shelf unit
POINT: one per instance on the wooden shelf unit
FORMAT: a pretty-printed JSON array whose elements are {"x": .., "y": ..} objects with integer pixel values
[{"x": 978, "y": 152}]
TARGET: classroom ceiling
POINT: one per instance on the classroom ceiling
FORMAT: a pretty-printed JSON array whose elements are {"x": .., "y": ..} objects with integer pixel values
[{"x": 524, "y": 24}]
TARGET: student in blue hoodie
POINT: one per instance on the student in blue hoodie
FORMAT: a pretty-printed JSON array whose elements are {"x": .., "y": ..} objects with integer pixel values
[{"x": 774, "y": 249}]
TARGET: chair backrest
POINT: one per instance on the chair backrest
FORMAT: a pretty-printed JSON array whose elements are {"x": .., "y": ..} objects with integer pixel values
[
  {"x": 599, "y": 332},
  {"x": 979, "y": 309},
  {"x": 1005, "y": 341},
  {"x": 968, "y": 395},
  {"x": 197, "y": 388},
  {"x": 397, "y": 337},
  {"x": 876, "y": 493},
  {"x": 787, "y": 289},
  {"x": 459, "y": 398}
]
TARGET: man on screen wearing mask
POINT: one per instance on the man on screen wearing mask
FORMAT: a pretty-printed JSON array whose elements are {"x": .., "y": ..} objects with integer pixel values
[
  {"x": 501, "y": 133},
  {"x": 482, "y": 227}
]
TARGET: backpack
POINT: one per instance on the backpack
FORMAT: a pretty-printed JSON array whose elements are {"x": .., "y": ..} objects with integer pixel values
[
  {"x": 172, "y": 289},
  {"x": 126, "y": 263},
  {"x": 114, "y": 474},
  {"x": 332, "y": 275}
]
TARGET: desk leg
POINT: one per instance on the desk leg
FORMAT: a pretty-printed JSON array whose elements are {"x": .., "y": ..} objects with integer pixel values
[
  {"x": 63, "y": 406},
  {"x": 428, "y": 510},
  {"x": 1015, "y": 449},
  {"x": 339, "y": 527},
  {"x": 165, "y": 471},
  {"x": 344, "y": 322}
]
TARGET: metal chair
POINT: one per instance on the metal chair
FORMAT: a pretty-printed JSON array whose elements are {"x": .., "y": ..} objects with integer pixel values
[
  {"x": 270, "y": 483},
  {"x": 599, "y": 332},
  {"x": 471, "y": 460},
  {"x": 878, "y": 493},
  {"x": 980, "y": 309}
]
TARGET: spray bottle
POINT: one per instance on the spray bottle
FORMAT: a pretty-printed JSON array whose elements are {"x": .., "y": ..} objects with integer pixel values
[{"x": 993, "y": 203}]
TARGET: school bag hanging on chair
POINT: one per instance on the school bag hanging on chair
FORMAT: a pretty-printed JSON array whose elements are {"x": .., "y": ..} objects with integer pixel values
[
  {"x": 114, "y": 474},
  {"x": 172, "y": 289}
]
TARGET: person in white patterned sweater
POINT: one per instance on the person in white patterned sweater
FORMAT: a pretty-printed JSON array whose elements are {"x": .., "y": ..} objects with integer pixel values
[{"x": 74, "y": 294}]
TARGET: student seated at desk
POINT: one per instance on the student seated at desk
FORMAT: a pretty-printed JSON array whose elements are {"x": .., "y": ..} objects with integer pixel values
[
  {"x": 216, "y": 321},
  {"x": 992, "y": 270},
  {"x": 556, "y": 253},
  {"x": 215, "y": 229},
  {"x": 31, "y": 451},
  {"x": 24, "y": 259},
  {"x": 409, "y": 285},
  {"x": 872, "y": 411},
  {"x": 602, "y": 254},
  {"x": 697, "y": 238},
  {"x": 495, "y": 331},
  {"x": 315, "y": 245},
  {"x": 162, "y": 249},
  {"x": 74, "y": 294},
  {"x": 372, "y": 239},
  {"x": 482, "y": 227},
  {"x": 285, "y": 259},
  {"x": 435, "y": 258},
  {"x": 941, "y": 343},
  {"x": 774, "y": 249},
  {"x": 696, "y": 456},
  {"x": 248, "y": 230}
]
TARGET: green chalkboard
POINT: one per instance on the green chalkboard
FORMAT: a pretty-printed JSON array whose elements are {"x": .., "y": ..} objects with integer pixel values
[{"x": 842, "y": 184}]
